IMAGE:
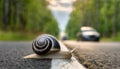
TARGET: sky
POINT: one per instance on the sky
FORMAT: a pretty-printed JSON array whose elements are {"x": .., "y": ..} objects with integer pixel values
[{"x": 61, "y": 10}]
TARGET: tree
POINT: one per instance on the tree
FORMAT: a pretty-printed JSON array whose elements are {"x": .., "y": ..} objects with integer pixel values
[
  {"x": 26, "y": 16},
  {"x": 101, "y": 14},
  {"x": 5, "y": 13},
  {"x": 51, "y": 28}
]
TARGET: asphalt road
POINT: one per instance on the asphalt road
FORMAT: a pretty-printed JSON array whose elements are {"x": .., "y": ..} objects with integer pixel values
[
  {"x": 12, "y": 53},
  {"x": 97, "y": 55}
]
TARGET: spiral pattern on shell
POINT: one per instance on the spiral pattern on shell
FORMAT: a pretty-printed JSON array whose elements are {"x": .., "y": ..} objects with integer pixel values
[{"x": 44, "y": 44}]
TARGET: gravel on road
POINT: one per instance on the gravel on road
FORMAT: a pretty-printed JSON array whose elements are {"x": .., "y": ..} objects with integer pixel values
[
  {"x": 97, "y": 55},
  {"x": 12, "y": 53}
]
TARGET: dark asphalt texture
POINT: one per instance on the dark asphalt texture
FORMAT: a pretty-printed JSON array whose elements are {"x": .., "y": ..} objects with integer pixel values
[
  {"x": 12, "y": 53},
  {"x": 97, "y": 55}
]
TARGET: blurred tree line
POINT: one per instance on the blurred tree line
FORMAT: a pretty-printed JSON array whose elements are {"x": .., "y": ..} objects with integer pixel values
[
  {"x": 27, "y": 16},
  {"x": 103, "y": 15}
]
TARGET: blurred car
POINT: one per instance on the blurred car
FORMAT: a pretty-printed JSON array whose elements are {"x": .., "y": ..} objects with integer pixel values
[
  {"x": 63, "y": 36},
  {"x": 88, "y": 34}
]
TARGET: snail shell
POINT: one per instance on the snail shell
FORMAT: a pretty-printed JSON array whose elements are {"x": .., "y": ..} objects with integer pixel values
[{"x": 44, "y": 44}]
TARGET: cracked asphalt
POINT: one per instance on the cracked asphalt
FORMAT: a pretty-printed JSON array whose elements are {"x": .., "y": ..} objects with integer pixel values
[{"x": 97, "y": 55}]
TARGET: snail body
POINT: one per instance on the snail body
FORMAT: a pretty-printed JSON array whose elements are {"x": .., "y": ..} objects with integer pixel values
[
  {"x": 44, "y": 44},
  {"x": 47, "y": 46}
]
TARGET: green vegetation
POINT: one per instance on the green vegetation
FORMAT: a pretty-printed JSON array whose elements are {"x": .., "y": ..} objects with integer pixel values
[
  {"x": 16, "y": 36},
  {"x": 25, "y": 16},
  {"x": 33, "y": 18},
  {"x": 103, "y": 15},
  {"x": 116, "y": 38}
]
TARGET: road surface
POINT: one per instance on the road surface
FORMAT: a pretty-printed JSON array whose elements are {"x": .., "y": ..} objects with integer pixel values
[
  {"x": 97, "y": 55},
  {"x": 11, "y": 57},
  {"x": 12, "y": 53}
]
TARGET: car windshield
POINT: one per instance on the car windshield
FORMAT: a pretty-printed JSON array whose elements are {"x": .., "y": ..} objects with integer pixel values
[{"x": 88, "y": 30}]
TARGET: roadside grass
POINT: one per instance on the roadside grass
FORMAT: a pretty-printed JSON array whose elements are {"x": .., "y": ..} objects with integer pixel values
[
  {"x": 23, "y": 36},
  {"x": 106, "y": 39},
  {"x": 102, "y": 39},
  {"x": 111, "y": 39},
  {"x": 16, "y": 36}
]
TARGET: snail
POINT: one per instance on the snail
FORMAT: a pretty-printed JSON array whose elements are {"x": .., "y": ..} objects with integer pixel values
[
  {"x": 47, "y": 46},
  {"x": 44, "y": 44}
]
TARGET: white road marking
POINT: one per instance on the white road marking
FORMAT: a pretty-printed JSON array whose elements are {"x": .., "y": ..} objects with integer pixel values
[{"x": 66, "y": 63}]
